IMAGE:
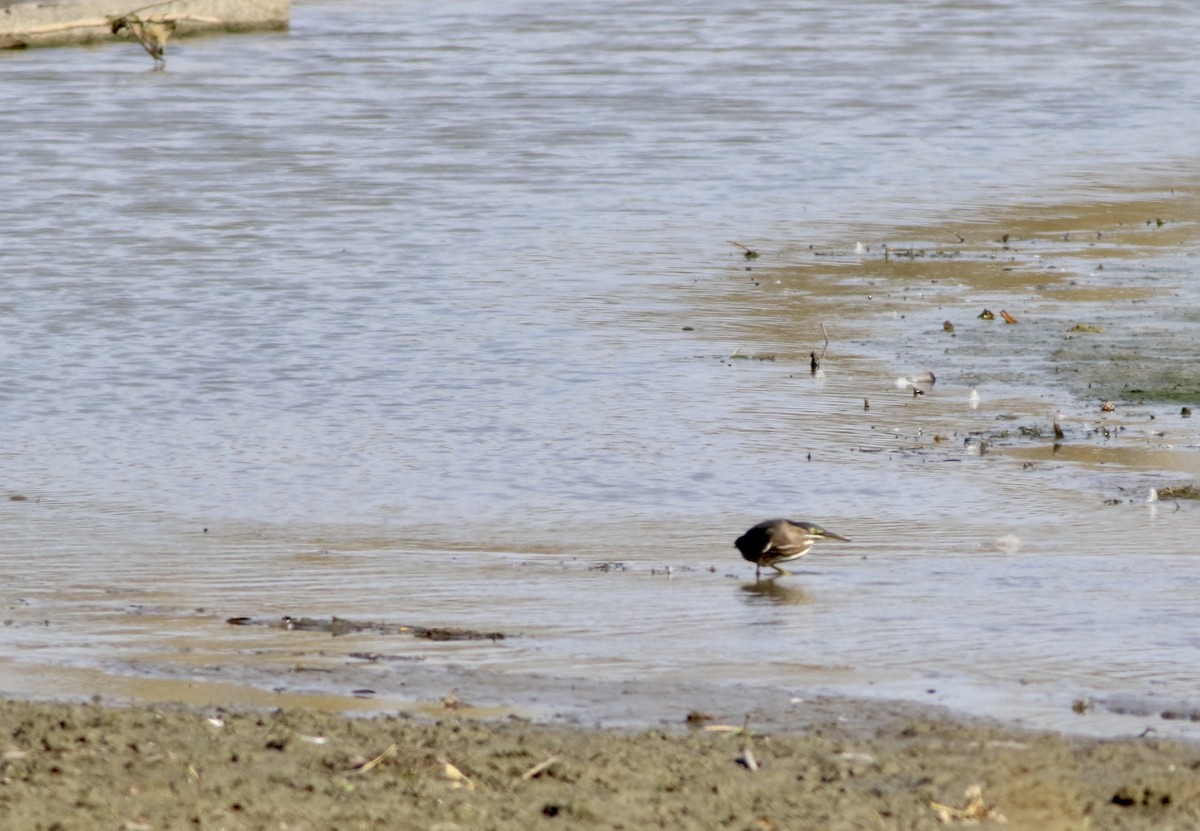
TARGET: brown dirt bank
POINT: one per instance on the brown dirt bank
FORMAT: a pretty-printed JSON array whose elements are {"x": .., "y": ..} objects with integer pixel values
[{"x": 87, "y": 766}]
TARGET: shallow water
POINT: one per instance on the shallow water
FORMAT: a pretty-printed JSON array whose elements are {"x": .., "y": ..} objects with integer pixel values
[{"x": 419, "y": 317}]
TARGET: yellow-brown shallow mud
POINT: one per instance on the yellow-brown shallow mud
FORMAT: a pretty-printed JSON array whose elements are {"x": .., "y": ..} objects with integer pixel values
[
  {"x": 1100, "y": 294},
  {"x": 86, "y": 766}
]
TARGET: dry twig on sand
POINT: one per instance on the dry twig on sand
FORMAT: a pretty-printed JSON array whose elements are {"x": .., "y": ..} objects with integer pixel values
[
  {"x": 540, "y": 767},
  {"x": 378, "y": 760}
]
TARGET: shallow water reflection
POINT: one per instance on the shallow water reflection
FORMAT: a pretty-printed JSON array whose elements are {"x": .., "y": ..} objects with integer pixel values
[{"x": 776, "y": 591}]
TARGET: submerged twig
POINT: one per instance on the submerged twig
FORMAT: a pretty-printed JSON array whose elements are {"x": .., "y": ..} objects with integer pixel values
[
  {"x": 749, "y": 253},
  {"x": 814, "y": 361}
]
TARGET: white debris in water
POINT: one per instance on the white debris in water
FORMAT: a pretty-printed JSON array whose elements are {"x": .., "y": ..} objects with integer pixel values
[
  {"x": 974, "y": 398},
  {"x": 1009, "y": 544},
  {"x": 924, "y": 380}
]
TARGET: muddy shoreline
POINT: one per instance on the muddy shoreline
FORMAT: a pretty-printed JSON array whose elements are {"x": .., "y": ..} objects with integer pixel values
[{"x": 855, "y": 765}]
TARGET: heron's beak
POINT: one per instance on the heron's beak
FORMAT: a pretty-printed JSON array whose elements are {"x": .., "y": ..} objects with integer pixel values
[{"x": 829, "y": 535}]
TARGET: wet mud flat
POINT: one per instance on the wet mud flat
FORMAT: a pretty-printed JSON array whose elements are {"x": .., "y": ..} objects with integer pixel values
[
  {"x": 1094, "y": 300},
  {"x": 857, "y": 765},
  {"x": 1072, "y": 325}
]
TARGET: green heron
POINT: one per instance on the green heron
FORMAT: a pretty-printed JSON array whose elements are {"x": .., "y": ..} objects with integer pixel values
[{"x": 777, "y": 541}]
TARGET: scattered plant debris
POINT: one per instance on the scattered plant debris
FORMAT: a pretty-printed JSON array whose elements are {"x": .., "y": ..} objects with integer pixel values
[
  {"x": 1189, "y": 491},
  {"x": 974, "y": 809}
]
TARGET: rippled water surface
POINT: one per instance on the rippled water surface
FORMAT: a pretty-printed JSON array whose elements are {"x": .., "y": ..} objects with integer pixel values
[{"x": 417, "y": 313}]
